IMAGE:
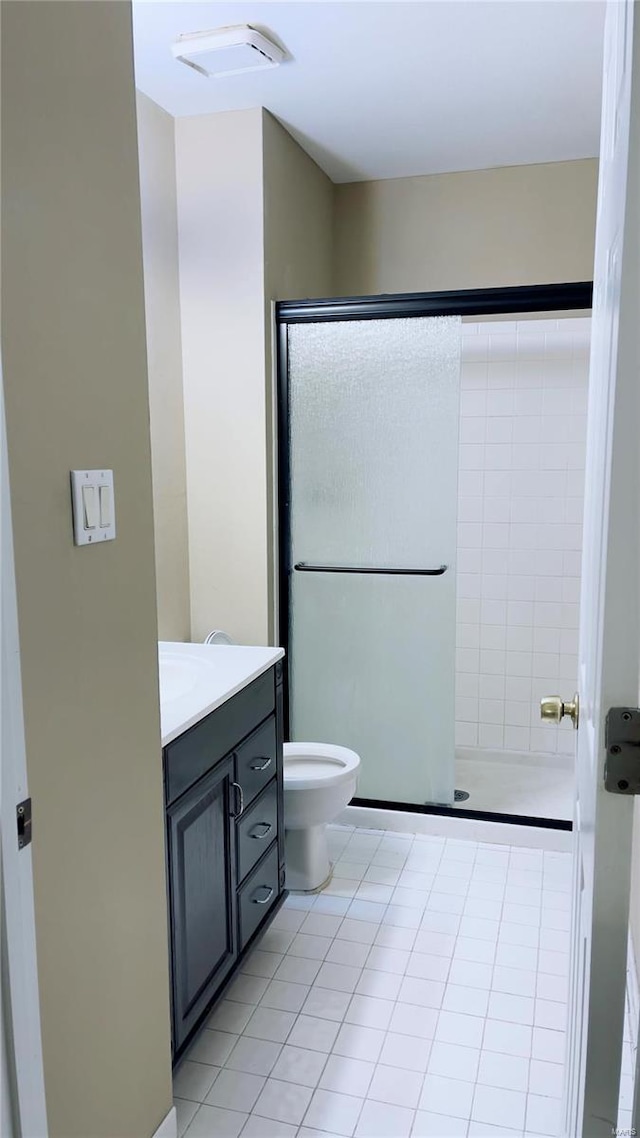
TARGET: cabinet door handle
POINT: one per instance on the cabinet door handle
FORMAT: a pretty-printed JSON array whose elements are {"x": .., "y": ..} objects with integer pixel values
[
  {"x": 261, "y": 836},
  {"x": 263, "y": 900},
  {"x": 261, "y": 764},
  {"x": 239, "y": 800}
]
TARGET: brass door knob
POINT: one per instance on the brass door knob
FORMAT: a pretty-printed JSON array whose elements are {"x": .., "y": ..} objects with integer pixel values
[{"x": 553, "y": 709}]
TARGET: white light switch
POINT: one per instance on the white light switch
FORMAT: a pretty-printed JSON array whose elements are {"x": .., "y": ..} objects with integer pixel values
[{"x": 93, "y": 506}]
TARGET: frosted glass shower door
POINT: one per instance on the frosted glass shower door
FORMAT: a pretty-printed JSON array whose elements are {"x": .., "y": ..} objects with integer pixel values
[{"x": 373, "y": 450}]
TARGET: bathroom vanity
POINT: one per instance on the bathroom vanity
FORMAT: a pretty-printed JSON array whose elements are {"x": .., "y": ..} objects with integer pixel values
[{"x": 222, "y": 735}]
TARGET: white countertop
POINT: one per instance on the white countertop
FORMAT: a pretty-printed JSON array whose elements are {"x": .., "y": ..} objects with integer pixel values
[{"x": 197, "y": 678}]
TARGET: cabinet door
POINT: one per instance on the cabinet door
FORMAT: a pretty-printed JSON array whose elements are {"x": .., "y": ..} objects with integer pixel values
[{"x": 201, "y": 837}]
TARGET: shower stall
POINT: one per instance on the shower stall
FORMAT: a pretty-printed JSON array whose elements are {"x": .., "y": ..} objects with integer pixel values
[{"x": 375, "y": 550}]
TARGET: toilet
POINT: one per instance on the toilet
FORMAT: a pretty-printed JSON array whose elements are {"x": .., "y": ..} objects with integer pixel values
[{"x": 319, "y": 780}]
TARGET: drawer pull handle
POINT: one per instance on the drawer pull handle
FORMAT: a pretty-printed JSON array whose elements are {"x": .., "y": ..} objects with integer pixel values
[
  {"x": 239, "y": 799},
  {"x": 261, "y": 764},
  {"x": 267, "y": 897},
  {"x": 266, "y": 830}
]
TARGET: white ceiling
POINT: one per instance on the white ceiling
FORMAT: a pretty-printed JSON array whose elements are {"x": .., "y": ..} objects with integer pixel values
[{"x": 377, "y": 89}]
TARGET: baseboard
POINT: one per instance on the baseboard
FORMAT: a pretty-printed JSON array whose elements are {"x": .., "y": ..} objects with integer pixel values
[
  {"x": 517, "y": 758},
  {"x": 469, "y": 829},
  {"x": 168, "y": 1128}
]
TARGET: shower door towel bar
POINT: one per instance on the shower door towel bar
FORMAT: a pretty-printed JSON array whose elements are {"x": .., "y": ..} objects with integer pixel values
[{"x": 305, "y": 567}]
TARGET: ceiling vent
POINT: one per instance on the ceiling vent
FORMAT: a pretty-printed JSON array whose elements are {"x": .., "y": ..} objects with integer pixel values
[{"x": 227, "y": 51}]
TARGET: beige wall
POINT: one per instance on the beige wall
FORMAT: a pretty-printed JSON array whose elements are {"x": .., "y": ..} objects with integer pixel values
[
  {"x": 254, "y": 218},
  {"x": 156, "y": 142},
  {"x": 298, "y": 262},
  {"x": 73, "y": 342},
  {"x": 486, "y": 228}
]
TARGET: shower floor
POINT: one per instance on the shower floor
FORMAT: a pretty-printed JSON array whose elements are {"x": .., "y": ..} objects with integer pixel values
[{"x": 516, "y": 788}]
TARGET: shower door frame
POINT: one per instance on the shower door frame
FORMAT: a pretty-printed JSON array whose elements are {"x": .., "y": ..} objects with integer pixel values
[{"x": 517, "y": 300}]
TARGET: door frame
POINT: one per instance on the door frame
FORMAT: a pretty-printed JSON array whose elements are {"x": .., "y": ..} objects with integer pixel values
[
  {"x": 19, "y": 1002},
  {"x": 570, "y": 296}
]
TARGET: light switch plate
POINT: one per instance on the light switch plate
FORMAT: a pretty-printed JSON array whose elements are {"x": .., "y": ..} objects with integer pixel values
[{"x": 101, "y": 482}]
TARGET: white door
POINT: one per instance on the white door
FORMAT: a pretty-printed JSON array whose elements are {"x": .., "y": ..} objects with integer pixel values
[{"x": 609, "y": 628}]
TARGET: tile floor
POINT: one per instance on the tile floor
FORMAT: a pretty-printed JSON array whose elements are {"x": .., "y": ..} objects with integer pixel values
[
  {"x": 423, "y": 994},
  {"x": 516, "y": 788}
]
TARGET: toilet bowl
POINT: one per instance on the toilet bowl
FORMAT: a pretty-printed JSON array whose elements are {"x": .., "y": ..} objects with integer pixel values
[{"x": 319, "y": 780}]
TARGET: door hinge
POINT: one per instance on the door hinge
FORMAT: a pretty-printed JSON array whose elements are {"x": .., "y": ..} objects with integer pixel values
[
  {"x": 622, "y": 740},
  {"x": 23, "y": 819}
]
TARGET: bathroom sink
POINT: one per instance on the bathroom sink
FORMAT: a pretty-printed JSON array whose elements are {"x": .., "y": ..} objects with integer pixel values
[
  {"x": 179, "y": 674},
  {"x": 197, "y": 678}
]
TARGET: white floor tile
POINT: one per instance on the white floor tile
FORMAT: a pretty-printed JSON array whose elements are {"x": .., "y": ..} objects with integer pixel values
[
  {"x": 405, "y": 1051},
  {"x": 455, "y": 1028},
  {"x": 517, "y": 956},
  {"x": 255, "y": 1056},
  {"x": 451, "y": 1097},
  {"x": 391, "y": 936},
  {"x": 360, "y": 932},
  {"x": 366, "y": 910},
  {"x": 478, "y": 951},
  {"x": 367, "y": 1011},
  {"x": 313, "y": 947},
  {"x": 212, "y": 1047},
  {"x": 451, "y": 886},
  {"x": 556, "y": 963},
  {"x": 511, "y": 1009},
  {"x": 510, "y": 1072},
  {"x": 341, "y": 887},
  {"x": 402, "y": 917},
  {"x": 428, "y": 1125},
  {"x": 384, "y": 985},
  {"x": 337, "y": 1113},
  {"x": 471, "y": 1001},
  {"x": 193, "y": 1080},
  {"x": 338, "y": 977},
  {"x": 423, "y": 993},
  {"x": 499, "y": 1107},
  {"x": 235, "y": 1090},
  {"x": 283, "y": 1102},
  {"x": 388, "y": 959},
  {"x": 411, "y": 1018},
  {"x": 382, "y": 875},
  {"x": 326, "y": 1004},
  {"x": 313, "y": 1032},
  {"x": 260, "y": 963},
  {"x": 437, "y": 922},
  {"x": 543, "y": 1114},
  {"x": 372, "y": 891},
  {"x": 487, "y": 1130},
  {"x": 346, "y": 952},
  {"x": 321, "y": 924},
  {"x": 552, "y": 987},
  {"x": 351, "y": 870},
  {"x": 483, "y": 907},
  {"x": 212, "y": 1122},
  {"x": 298, "y": 970},
  {"x": 549, "y": 1045},
  {"x": 395, "y": 1086},
  {"x": 470, "y": 974},
  {"x": 380, "y": 1120},
  {"x": 525, "y": 936},
  {"x": 285, "y": 996},
  {"x": 185, "y": 1111},
  {"x": 258, "y": 1127},
  {"x": 299, "y": 1065},
  {"x": 358, "y": 1042},
  {"x": 507, "y": 1038},
  {"x": 445, "y": 903},
  {"x": 267, "y": 1023},
  {"x": 247, "y": 989},
  {"x": 230, "y": 1016},
  {"x": 518, "y": 914},
  {"x": 278, "y": 937},
  {"x": 513, "y": 981},
  {"x": 332, "y": 906},
  {"x": 435, "y": 943},
  {"x": 425, "y": 966},
  {"x": 347, "y": 1076},
  {"x": 546, "y": 1079},
  {"x": 551, "y": 1014},
  {"x": 453, "y": 1061}
]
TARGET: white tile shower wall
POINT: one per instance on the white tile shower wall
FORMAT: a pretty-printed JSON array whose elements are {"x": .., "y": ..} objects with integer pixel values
[{"x": 521, "y": 487}]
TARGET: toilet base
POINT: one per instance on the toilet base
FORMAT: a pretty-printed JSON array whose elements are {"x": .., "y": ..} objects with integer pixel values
[{"x": 308, "y": 867}]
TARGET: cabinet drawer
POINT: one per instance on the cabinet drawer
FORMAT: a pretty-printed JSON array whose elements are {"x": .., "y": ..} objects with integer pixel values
[
  {"x": 257, "y": 829},
  {"x": 258, "y": 894},
  {"x": 256, "y": 760}
]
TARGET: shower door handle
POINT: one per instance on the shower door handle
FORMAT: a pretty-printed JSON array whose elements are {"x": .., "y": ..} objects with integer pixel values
[{"x": 306, "y": 567}]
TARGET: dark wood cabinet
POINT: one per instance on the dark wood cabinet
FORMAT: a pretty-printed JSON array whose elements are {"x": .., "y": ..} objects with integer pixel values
[{"x": 225, "y": 867}]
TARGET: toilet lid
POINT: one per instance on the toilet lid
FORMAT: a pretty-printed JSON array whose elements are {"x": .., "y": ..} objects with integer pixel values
[{"x": 315, "y": 765}]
